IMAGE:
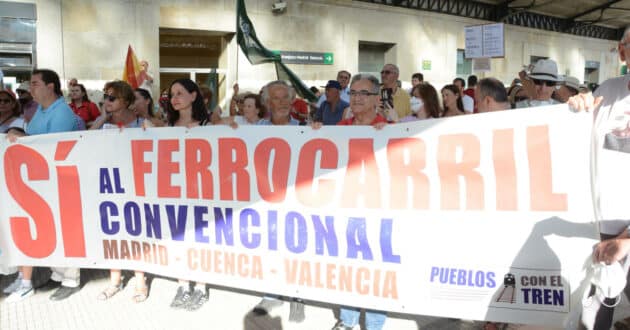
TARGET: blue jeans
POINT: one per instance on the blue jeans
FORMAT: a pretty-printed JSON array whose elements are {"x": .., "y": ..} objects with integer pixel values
[{"x": 374, "y": 320}]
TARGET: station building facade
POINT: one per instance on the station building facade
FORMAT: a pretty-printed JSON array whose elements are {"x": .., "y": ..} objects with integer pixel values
[{"x": 88, "y": 39}]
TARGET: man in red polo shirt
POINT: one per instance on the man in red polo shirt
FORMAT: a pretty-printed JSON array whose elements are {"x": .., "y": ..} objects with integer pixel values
[{"x": 364, "y": 101}]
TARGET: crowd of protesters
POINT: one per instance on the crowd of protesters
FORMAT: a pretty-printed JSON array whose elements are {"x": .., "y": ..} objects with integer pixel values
[{"x": 362, "y": 99}]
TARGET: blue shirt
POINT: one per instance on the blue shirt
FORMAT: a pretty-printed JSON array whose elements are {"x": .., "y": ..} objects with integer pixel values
[
  {"x": 58, "y": 117},
  {"x": 344, "y": 94},
  {"x": 267, "y": 122},
  {"x": 327, "y": 116}
]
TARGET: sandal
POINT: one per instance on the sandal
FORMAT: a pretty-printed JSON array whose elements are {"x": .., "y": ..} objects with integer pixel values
[
  {"x": 140, "y": 294},
  {"x": 109, "y": 292}
]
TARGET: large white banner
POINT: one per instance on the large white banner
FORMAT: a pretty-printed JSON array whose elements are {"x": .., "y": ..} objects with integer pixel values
[{"x": 478, "y": 217}]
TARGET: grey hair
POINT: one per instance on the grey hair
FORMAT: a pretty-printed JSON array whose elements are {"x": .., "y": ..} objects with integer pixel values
[
  {"x": 625, "y": 33},
  {"x": 265, "y": 90},
  {"x": 376, "y": 85},
  {"x": 493, "y": 88},
  {"x": 394, "y": 66}
]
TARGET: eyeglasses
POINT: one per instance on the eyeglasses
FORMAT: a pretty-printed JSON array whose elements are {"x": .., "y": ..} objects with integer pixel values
[
  {"x": 110, "y": 98},
  {"x": 361, "y": 93},
  {"x": 19, "y": 91},
  {"x": 546, "y": 82},
  {"x": 387, "y": 72},
  {"x": 5, "y": 101}
]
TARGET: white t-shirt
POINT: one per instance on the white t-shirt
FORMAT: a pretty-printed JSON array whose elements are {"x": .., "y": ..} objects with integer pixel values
[
  {"x": 610, "y": 160},
  {"x": 469, "y": 103}
]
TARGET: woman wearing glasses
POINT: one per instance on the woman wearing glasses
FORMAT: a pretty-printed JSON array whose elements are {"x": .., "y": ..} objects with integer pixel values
[
  {"x": 452, "y": 101},
  {"x": 118, "y": 99},
  {"x": 9, "y": 112},
  {"x": 187, "y": 109}
]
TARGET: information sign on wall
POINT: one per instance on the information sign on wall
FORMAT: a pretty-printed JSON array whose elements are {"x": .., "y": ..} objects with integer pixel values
[{"x": 485, "y": 40}]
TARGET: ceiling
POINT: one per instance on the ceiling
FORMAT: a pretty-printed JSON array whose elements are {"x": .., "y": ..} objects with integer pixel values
[
  {"x": 604, "y": 19},
  {"x": 613, "y": 14}
]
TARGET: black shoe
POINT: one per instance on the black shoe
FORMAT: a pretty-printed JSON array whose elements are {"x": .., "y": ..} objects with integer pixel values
[
  {"x": 64, "y": 292},
  {"x": 181, "y": 298},
  {"x": 197, "y": 299},
  {"x": 48, "y": 286}
]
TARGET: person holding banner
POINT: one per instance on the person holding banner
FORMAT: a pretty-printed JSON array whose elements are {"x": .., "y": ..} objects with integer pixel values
[
  {"x": 278, "y": 97},
  {"x": 187, "y": 109},
  {"x": 53, "y": 115},
  {"x": 118, "y": 98},
  {"x": 364, "y": 100},
  {"x": 9, "y": 112},
  {"x": 610, "y": 163}
]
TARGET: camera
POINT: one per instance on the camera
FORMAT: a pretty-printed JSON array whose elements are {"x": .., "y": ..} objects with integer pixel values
[{"x": 386, "y": 97}]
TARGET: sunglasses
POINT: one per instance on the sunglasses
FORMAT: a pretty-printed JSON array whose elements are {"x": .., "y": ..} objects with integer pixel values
[
  {"x": 5, "y": 101},
  {"x": 546, "y": 82},
  {"x": 386, "y": 72},
  {"x": 110, "y": 98}
]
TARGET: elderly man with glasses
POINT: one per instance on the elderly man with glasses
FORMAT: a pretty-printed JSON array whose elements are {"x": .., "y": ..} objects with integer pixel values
[{"x": 544, "y": 76}]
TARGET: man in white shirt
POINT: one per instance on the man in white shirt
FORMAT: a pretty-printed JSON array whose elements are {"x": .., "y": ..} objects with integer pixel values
[{"x": 469, "y": 102}]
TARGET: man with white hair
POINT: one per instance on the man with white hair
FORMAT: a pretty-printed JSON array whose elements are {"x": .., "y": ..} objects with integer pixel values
[{"x": 401, "y": 99}]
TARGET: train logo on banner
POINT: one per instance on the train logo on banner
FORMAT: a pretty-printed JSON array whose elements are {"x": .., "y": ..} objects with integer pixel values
[
  {"x": 509, "y": 289},
  {"x": 533, "y": 290}
]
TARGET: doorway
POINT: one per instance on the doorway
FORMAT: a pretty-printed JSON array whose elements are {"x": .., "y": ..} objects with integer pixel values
[{"x": 195, "y": 54}]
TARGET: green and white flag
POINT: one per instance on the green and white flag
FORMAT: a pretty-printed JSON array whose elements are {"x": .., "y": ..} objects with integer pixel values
[{"x": 256, "y": 53}]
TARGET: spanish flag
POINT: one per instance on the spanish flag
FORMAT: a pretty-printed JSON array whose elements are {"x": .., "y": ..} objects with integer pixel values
[{"x": 132, "y": 73}]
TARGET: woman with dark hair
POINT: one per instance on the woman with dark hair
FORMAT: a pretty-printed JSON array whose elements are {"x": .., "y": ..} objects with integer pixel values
[
  {"x": 425, "y": 103},
  {"x": 452, "y": 100},
  {"x": 253, "y": 112},
  {"x": 82, "y": 106},
  {"x": 186, "y": 107},
  {"x": 143, "y": 106},
  {"x": 9, "y": 112}
]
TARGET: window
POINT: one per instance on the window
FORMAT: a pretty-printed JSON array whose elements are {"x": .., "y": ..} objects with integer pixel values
[{"x": 464, "y": 65}]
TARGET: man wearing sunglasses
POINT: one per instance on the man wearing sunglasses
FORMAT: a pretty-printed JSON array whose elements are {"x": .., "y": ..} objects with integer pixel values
[
  {"x": 402, "y": 100},
  {"x": 544, "y": 76}
]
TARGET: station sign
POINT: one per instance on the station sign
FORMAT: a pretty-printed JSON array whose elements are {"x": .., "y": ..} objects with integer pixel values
[{"x": 290, "y": 57}]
